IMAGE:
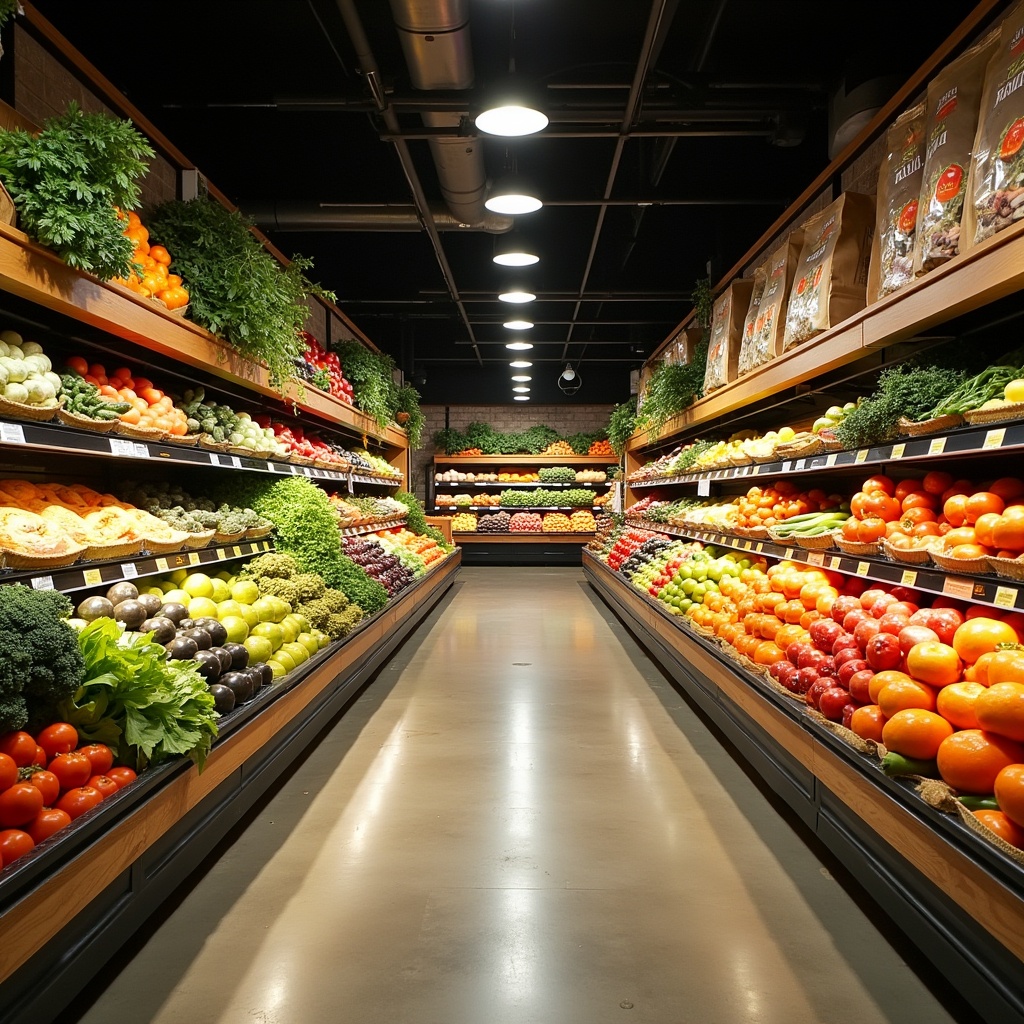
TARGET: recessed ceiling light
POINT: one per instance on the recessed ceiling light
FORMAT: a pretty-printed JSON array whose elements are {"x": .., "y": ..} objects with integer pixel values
[
  {"x": 519, "y": 346},
  {"x": 522, "y": 390},
  {"x": 521, "y": 398},
  {"x": 522, "y": 378},
  {"x": 520, "y": 364},
  {"x": 517, "y": 325},
  {"x": 517, "y": 296}
]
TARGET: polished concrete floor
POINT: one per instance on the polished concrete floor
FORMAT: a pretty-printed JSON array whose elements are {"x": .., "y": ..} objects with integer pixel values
[{"x": 519, "y": 822}]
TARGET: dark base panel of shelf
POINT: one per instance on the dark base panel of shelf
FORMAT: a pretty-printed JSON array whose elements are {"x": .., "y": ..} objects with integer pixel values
[
  {"x": 482, "y": 553},
  {"x": 47, "y": 983},
  {"x": 984, "y": 971}
]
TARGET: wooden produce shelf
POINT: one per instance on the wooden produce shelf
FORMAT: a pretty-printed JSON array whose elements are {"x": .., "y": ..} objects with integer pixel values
[
  {"x": 63, "y": 879},
  {"x": 39, "y": 275},
  {"x": 523, "y": 460},
  {"x": 958, "y": 897},
  {"x": 522, "y": 538},
  {"x": 990, "y": 271}
]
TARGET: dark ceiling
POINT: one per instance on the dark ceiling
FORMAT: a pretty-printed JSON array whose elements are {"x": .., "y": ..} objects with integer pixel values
[{"x": 680, "y": 130}]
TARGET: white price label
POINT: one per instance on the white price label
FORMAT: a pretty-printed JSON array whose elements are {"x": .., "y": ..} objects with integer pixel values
[
  {"x": 118, "y": 446},
  {"x": 307, "y": 470},
  {"x": 703, "y": 488},
  {"x": 747, "y": 545},
  {"x": 293, "y": 468},
  {"x": 789, "y": 554},
  {"x": 898, "y": 450},
  {"x": 834, "y": 562},
  {"x": 909, "y": 578},
  {"x": 816, "y": 558},
  {"x": 92, "y": 577},
  {"x": 830, "y": 460},
  {"x": 42, "y": 583},
  {"x": 161, "y": 564},
  {"x": 1005, "y": 597},
  {"x": 800, "y": 464},
  {"x": 193, "y": 558},
  {"x": 953, "y": 586},
  {"x": 787, "y": 466},
  {"x": 862, "y": 568},
  {"x": 760, "y": 546},
  {"x": 12, "y": 433},
  {"x": 994, "y": 438},
  {"x": 861, "y": 456},
  {"x": 937, "y": 446},
  {"x": 236, "y": 551},
  {"x": 141, "y": 450},
  {"x": 129, "y": 570},
  {"x": 236, "y": 462},
  {"x": 214, "y": 460}
]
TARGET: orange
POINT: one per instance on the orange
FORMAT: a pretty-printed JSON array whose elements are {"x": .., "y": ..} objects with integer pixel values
[
  {"x": 1009, "y": 791},
  {"x": 160, "y": 254},
  {"x": 981, "y": 502},
  {"x": 981, "y": 634},
  {"x": 883, "y": 678},
  {"x": 1003, "y": 827},
  {"x": 1000, "y": 709},
  {"x": 935, "y": 663},
  {"x": 900, "y": 695},
  {"x": 915, "y": 732},
  {"x": 956, "y": 703},
  {"x": 1000, "y": 667},
  {"x": 867, "y": 722},
  {"x": 1009, "y": 488},
  {"x": 970, "y": 760},
  {"x": 983, "y": 528}
]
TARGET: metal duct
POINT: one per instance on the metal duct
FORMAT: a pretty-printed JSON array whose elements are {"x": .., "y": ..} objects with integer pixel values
[
  {"x": 436, "y": 43},
  {"x": 292, "y": 216}
]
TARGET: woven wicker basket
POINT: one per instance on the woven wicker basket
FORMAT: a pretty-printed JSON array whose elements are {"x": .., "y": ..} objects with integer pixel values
[
  {"x": 125, "y": 549},
  {"x": 186, "y": 439},
  {"x": 916, "y": 556},
  {"x": 162, "y": 547},
  {"x": 932, "y": 426},
  {"x": 831, "y": 444},
  {"x": 799, "y": 449},
  {"x": 1010, "y": 568},
  {"x": 206, "y": 441},
  {"x": 20, "y": 560},
  {"x": 140, "y": 433},
  {"x": 741, "y": 459},
  {"x": 1004, "y": 414},
  {"x": 822, "y": 542},
  {"x": 301, "y": 460},
  {"x": 72, "y": 419},
  {"x": 23, "y": 411},
  {"x": 972, "y": 566},
  {"x": 195, "y": 541},
  {"x": 228, "y": 538},
  {"x": 858, "y": 547},
  {"x": 259, "y": 532}
]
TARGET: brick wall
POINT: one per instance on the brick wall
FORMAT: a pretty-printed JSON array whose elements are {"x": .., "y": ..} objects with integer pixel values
[{"x": 507, "y": 419}]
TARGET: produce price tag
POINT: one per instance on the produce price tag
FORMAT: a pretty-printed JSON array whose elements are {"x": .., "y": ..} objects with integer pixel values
[
  {"x": 760, "y": 546},
  {"x": 815, "y": 558},
  {"x": 1005, "y": 597},
  {"x": 193, "y": 558},
  {"x": 236, "y": 551},
  {"x": 898, "y": 450},
  {"x": 909, "y": 578},
  {"x": 958, "y": 588},
  {"x": 937, "y": 446},
  {"x": 862, "y": 568},
  {"x": 834, "y": 562},
  {"x": 994, "y": 438},
  {"x": 830, "y": 460},
  {"x": 703, "y": 488},
  {"x": 787, "y": 466},
  {"x": 12, "y": 433},
  {"x": 122, "y": 447},
  {"x": 293, "y": 468},
  {"x": 789, "y": 555},
  {"x": 236, "y": 462},
  {"x": 800, "y": 464},
  {"x": 161, "y": 564},
  {"x": 129, "y": 570},
  {"x": 861, "y": 456},
  {"x": 92, "y": 576},
  {"x": 307, "y": 470},
  {"x": 42, "y": 583},
  {"x": 214, "y": 460}
]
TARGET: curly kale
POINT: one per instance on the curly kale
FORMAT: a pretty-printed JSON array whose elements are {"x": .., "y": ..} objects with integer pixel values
[
  {"x": 274, "y": 586},
  {"x": 277, "y": 565},
  {"x": 40, "y": 662},
  {"x": 308, "y": 586}
]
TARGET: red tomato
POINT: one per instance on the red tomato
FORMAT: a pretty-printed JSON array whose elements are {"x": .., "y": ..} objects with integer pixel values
[
  {"x": 79, "y": 800},
  {"x": 71, "y": 769},
  {"x": 19, "y": 804},
  {"x": 100, "y": 756},
  {"x": 8, "y": 771},
  {"x": 104, "y": 785},
  {"x": 48, "y": 784},
  {"x": 59, "y": 738},
  {"x": 879, "y": 483},
  {"x": 19, "y": 745},
  {"x": 46, "y": 822},
  {"x": 122, "y": 775},
  {"x": 14, "y": 844},
  {"x": 40, "y": 759}
]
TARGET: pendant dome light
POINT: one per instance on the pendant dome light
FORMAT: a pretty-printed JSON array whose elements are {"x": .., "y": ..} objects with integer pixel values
[
  {"x": 520, "y": 364},
  {"x": 511, "y": 109},
  {"x": 517, "y": 325},
  {"x": 570, "y": 381},
  {"x": 519, "y": 346},
  {"x": 512, "y": 250},
  {"x": 517, "y": 295},
  {"x": 511, "y": 195}
]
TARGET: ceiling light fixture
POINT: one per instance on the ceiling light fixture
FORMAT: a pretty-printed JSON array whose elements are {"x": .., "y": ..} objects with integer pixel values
[
  {"x": 521, "y": 378},
  {"x": 570, "y": 381},
  {"x": 519, "y": 346},
  {"x": 511, "y": 107},
  {"x": 517, "y": 325},
  {"x": 517, "y": 296},
  {"x": 511, "y": 195},
  {"x": 521, "y": 390},
  {"x": 521, "y": 398},
  {"x": 520, "y": 364},
  {"x": 512, "y": 250}
]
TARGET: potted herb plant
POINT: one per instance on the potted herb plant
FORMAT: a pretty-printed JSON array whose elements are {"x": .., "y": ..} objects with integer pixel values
[{"x": 408, "y": 413}]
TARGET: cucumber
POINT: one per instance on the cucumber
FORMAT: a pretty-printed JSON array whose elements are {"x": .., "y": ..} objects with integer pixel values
[
  {"x": 895, "y": 765},
  {"x": 979, "y": 803}
]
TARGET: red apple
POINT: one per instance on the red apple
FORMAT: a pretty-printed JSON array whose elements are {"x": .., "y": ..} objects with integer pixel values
[
  {"x": 804, "y": 679},
  {"x": 858, "y": 685},
  {"x": 892, "y": 622},
  {"x": 854, "y": 617},
  {"x": 848, "y": 714},
  {"x": 844, "y": 642},
  {"x": 883, "y": 652},
  {"x": 915, "y": 634},
  {"x": 865, "y": 630},
  {"x": 843, "y": 605},
  {"x": 880, "y": 606},
  {"x": 817, "y": 688},
  {"x": 832, "y": 702},
  {"x": 848, "y": 669},
  {"x": 871, "y": 595}
]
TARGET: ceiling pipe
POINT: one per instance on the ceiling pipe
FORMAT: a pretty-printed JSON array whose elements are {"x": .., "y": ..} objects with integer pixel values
[{"x": 313, "y": 216}]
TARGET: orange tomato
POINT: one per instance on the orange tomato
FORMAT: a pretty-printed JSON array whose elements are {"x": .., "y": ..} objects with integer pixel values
[
  {"x": 1003, "y": 826},
  {"x": 937, "y": 482},
  {"x": 1009, "y": 488},
  {"x": 867, "y": 722},
  {"x": 983, "y": 527},
  {"x": 981, "y": 502},
  {"x": 1008, "y": 531},
  {"x": 920, "y": 500},
  {"x": 878, "y": 482},
  {"x": 954, "y": 508},
  {"x": 76, "y": 364},
  {"x": 160, "y": 254}
]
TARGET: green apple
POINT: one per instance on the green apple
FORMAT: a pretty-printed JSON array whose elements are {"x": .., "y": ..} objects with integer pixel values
[
  {"x": 237, "y": 627},
  {"x": 308, "y": 641},
  {"x": 300, "y": 620},
  {"x": 321, "y": 638},
  {"x": 250, "y": 614},
  {"x": 277, "y": 668},
  {"x": 259, "y": 648},
  {"x": 201, "y": 608},
  {"x": 269, "y": 608},
  {"x": 245, "y": 591},
  {"x": 282, "y": 657},
  {"x": 228, "y": 607},
  {"x": 197, "y": 584},
  {"x": 271, "y": 630},
  {"x": 177, "y": 596},
  {"x": 290, "y": 629},
  {"x": 221, "y": 591},
  {"x": 297, "y": 651}
]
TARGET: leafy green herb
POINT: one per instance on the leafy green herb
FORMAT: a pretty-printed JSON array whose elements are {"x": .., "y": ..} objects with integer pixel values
[
  {"x": 8, "y": 9},
  {"x": 622, "y": 424},
  {"x": 407, "y": 400},
  {"x": 976, "y": 391},
  {"x": 371, "y": 376},
  {"x": 672, "y": 388},
  {"x": 144, "y": 707},
  {"x": 67, "y": 182},
  {"x": 238, "y": 291}
]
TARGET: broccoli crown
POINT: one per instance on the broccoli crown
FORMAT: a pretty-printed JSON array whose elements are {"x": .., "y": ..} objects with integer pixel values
[
  {"x": 310, "y": 586},
  {"x": 275, "y": 564},
  {"x": 276, "y": 587},
  {"x": 40, "y": 662}
]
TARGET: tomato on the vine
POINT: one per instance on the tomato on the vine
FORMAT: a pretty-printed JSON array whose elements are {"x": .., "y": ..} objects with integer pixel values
[
  {"x": 122, "y": 775},
  {"x": 8, "y": 771},
  {"x": 48, "y": 784},
  {"x": 14, "y": 843},
  {"x": 58, "y": 738},
  {"x": 104, "y": 785},
  {"x": 100, "y": 756},
  {"x": 46, "y": 822},
  {"x": 19, "y": 745},
  {"x": 19, "y": 804},
  {"x": 71, "y": 769},
  {"x": 79, "y": 800}
]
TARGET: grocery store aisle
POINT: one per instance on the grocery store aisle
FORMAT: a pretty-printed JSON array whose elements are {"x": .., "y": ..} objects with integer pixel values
[{"x": 520, "y": 821}]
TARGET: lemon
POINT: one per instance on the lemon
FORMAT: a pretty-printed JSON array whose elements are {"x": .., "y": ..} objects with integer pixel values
[
  {"x": 198, "y": 584},
  {"x": 787, "y": 434},
  {"x": 1014, "y": 391}
]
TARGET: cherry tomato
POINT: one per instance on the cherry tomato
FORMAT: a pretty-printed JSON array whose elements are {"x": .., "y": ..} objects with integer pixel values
[
  {"x": 100, "y": 756},
  {"x": 19, "y": 745},
  {"x": 104, "y": 785},
  {"x": 122, "y": 775},
  {"x": 8, "y": 771},
  {"x": 59, "y": 738},
  {"x": 19, "y": 804},
  {"x": 40, "y": 759},
  {"x": 46, "y": 822},
  {"x": 48, "y": 784},
  {"x": 71, "y": 769},
  {"x": 79, "y": 800},
  {"x": 14, "y": 844}
]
